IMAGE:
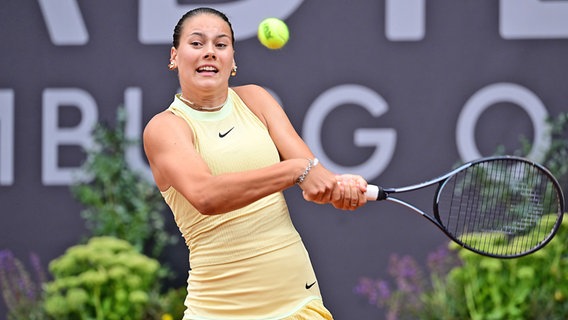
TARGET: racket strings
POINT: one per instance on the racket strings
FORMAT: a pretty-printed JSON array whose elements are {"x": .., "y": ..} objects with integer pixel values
[{"x": 500, "y": 207}]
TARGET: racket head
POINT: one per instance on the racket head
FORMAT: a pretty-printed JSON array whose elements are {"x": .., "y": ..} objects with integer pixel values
[{"x": 503, "y": 207}]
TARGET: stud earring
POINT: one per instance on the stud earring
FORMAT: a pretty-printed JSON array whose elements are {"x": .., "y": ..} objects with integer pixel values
[
  {"x": 172, "y": 65},
  {"x": 234, "y": 71}
]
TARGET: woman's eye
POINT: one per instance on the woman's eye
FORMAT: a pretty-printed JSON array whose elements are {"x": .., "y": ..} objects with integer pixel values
[{"x": 195, "y": 43}]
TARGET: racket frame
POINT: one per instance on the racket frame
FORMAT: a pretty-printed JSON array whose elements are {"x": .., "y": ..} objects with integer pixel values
[{"x": 379, "y": 193}]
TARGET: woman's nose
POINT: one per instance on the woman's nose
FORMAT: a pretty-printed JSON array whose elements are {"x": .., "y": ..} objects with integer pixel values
[{"x": 210, "y": 53}]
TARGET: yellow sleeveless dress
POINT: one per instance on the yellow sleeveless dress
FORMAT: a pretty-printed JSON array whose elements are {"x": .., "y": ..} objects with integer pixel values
[{"x": 249, "y": 263}]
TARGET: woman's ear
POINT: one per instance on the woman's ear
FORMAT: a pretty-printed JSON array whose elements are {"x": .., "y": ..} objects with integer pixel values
[{"x": 173, "y": 55}]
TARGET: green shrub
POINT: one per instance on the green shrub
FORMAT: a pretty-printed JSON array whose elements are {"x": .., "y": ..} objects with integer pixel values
[
  {"x": 115, "y": 274},
  {"x": 172, "y": 303},
  {"x": 557, "y": 153},
  {"x": 107, "y": 278},
  {"x": 529, "y": 287},
  {"x": 118, "y": 201},
  {"x": 459, "y": 284}
]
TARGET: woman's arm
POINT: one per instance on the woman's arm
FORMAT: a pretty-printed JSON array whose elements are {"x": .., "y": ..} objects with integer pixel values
[
  {"x": 169, "y": 146},
  {"x": 320, "y": 185}
]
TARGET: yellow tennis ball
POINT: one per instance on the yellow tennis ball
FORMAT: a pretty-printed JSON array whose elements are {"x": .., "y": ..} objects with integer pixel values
[{"x": 273, "y": 33}]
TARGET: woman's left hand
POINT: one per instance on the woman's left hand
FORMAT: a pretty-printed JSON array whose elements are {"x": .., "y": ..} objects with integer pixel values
[{"x": 352, "y": 188}]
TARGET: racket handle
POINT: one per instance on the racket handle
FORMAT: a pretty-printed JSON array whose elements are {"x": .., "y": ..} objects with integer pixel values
[{"x": 372, "y": 193}]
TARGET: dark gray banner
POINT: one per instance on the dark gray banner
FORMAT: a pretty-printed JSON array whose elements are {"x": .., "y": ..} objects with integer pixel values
[{"x": 396, "y": 90}]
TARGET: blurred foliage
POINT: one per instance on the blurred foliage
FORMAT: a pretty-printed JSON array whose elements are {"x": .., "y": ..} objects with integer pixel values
[
  {"x": 171, "y": 304},
  {"x": 522, "y": 288},
  {"x": 556, "y": 156},
  {"x": 21, "y": 289},
  {"x": 459, "y": 284},
  {"x": 106, "y": 278},
  {"x": 118, "y": 201},
  {"x": 116, "y": 274}
]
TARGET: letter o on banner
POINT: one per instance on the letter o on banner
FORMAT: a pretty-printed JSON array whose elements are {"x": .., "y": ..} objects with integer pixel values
[{"x": 490, "y": 95}]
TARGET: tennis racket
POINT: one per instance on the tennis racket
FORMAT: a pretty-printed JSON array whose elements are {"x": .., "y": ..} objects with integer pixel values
[{"x": 503, "y": 207}]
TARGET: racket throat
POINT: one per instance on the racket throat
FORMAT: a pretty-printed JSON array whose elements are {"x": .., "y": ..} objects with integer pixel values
[{"x": 382, "y": 194}]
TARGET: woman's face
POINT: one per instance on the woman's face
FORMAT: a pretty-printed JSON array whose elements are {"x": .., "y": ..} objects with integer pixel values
[{"x": 205, "y": 55}]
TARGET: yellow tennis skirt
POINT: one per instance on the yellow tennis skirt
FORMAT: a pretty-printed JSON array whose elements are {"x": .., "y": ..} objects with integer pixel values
[{"x": 314, "y": 310}]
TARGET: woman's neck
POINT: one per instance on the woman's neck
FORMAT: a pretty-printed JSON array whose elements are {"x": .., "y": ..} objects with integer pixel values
[
  {"x": 205, "y": 102},
  {"x": 205, "y": 107}
]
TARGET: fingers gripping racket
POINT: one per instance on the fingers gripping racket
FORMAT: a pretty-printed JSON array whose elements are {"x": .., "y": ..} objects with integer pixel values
[{"x": 502, "y": 207}]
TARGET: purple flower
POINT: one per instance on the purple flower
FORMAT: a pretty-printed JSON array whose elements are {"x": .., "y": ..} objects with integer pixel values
[
  {"x": 7, "y": 261},
  {"x": 365, "y": 288},
  {"x": 377, "y": 292},
  {"x": 19, "y": 291},
  {"x": 38, "y": 269},
  {"x": 406, "y": 273},
  {"x": 441, "y": 260},
  {"x": 403, "y": 299},
  {"x": 384, "y": 290}
]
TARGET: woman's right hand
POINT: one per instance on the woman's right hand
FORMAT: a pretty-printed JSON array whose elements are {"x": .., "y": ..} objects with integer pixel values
[
  {"x": 345, "y": 192},
  {"x": 320, "y": 185}
]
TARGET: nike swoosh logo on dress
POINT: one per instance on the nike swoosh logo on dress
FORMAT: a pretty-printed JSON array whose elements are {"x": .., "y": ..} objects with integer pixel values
[
  {"x": 308, "y": 286},
  {"x": 222, "y": 135}
]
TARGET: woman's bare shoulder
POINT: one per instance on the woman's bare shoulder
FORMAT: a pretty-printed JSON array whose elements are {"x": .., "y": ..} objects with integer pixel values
[
  {"x": 163, "y": 122},
  {"x": 250, "y": 90}
]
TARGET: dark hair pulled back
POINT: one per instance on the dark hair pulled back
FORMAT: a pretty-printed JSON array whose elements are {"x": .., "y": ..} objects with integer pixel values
[{"x": 202, "y": 10}]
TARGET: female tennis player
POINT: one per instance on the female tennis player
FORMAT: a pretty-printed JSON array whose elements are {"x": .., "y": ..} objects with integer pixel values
[{"x": 221, "y": 157}]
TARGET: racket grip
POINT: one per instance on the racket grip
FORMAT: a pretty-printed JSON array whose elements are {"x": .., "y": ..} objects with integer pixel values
[{"x": 372, "y": 193}]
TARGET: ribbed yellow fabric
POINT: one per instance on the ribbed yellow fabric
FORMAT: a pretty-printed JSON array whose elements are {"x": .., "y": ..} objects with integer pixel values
[
  {"x": 312, "y": 311},
  {"x": 249, "y": 263},
  {"x": 260, "y": 227}
]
